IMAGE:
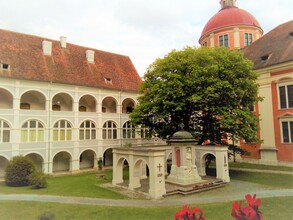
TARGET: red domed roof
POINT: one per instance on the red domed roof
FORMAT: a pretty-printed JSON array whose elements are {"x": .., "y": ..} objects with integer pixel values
[{"x": 230, "y": 16}]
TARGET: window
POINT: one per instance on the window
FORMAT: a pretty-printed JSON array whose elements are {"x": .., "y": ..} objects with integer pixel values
[
  {"x": 128, "y": 130},
  {"x": 109, "y": 130},
  {"x": 247, "y": 39},
  {"x": 4, "y": 66},
  {"x": 286, "y": 96},
  {"x": 287, "y": 131},
  {"x": 224, "y": 41},
  {"x": 62, "y": 131},
  {"x": 87, "y": 131},
  {"x": 205, "y": 44},
  {"x": 32, "y": 131},
  {"x": 4, "y": 132},
  {"x": 144, "y": 132}
]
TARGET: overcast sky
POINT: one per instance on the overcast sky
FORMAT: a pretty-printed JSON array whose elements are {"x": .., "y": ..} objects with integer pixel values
[{"x": 141, "y": 29}]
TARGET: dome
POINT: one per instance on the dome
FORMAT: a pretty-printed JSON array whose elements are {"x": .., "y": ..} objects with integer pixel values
[
  {"x": 182, "y": 135},
  {"x": 230, "y": 16}
]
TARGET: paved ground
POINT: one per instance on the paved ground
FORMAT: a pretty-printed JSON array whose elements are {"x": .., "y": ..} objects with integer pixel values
[{"x": 235, "y": 190}]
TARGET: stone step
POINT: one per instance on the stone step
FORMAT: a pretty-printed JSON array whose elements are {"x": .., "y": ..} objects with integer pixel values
[{"x": 196, "y": 188}]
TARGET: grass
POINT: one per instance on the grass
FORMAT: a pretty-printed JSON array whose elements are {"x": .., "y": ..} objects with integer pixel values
[
  {"x": 260, "y": 167},
  {"x": 272, "y": 208},
  {"x": 82, "y": 185},
  {"x": 268, "y": 179}
]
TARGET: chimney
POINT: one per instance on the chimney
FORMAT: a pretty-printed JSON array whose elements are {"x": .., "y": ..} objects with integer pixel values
[
  {"x": 63, "y": 41},
  {"x": 90, "y": 56},
  {"x": 47, "y": 47}
]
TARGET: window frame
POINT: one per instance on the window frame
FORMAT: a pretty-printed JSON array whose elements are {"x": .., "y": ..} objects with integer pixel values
[
  {"x": 223, "y": 41},
  {"x": 128, "y": 131},
  {"x": 109, "y": 130},
  {"x": 62, "y": 133},
  {"x": 87, "y": 130},
  {"x": 4, "y": 130},
  {"x": 32, "y": 133},
  {"x": 289, "y": 122},
  {"x": 280, "y": 101},
  {"x": 248, "y": 39}
]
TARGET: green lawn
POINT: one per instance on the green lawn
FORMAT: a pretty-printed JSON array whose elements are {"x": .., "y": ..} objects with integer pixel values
[
  {"x": 272, "y": 208},
  {"x": 83, "y": 185},
  {"x": 260, "y": 167}
]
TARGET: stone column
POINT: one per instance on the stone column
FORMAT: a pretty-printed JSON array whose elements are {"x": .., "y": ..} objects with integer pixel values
[{"x": 157, "y": 178}]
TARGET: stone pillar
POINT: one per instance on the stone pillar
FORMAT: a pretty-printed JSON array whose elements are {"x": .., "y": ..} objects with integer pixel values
[
  {"x": 157, "y": 178},
  {"x": 222, "y": 166},
  {"x": 117, "y": 170}
]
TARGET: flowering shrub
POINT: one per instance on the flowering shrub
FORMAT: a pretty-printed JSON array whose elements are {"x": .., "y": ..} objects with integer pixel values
[
  {"x": 250, "y": 212},
  {"x": 186, "y": 214}
]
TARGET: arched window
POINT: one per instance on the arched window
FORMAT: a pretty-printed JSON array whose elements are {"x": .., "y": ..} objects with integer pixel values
[
  {"x": 4, "y": 132},
  {"x": 32, "y": 131},
  {"x": 144, "y": 132},
  {"x": 128, "y": 130},
  {"x": 87, "y": 131},
  {"x": 62, "y": 131},
  {"x": 109, "y": 130}
]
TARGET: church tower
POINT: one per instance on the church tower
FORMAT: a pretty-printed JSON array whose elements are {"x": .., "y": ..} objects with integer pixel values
[{"x": 231, "y": 27}]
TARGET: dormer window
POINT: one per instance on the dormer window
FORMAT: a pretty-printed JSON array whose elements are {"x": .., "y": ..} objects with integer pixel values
[
  {"x": 108, "y": 80},
  {"x": 5, "y": 66},
  {"x": 265, "y": 57}
]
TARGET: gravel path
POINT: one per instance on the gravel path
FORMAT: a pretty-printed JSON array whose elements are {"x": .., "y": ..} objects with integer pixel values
[{"x": 235, "y": 190}]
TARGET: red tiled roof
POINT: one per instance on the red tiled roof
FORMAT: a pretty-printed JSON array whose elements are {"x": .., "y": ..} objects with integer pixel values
[
  {"x": 68, "y": 65},
  {"x": 273, "y": 48},
  {"x": 230, "y": 16}
]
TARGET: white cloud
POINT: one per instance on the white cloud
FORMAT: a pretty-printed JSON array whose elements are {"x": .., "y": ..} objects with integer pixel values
[{"x": 143, "y": 30}]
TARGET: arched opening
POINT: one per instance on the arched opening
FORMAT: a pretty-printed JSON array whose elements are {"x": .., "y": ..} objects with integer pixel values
[
  {"x": 109, "y": 105},
  {"x": 169, "y": 163},
  {"x": 62, "y": 162},
  {"x": 123, "y": 170},
  {"x": 62, "y": 102},
  {"x": 87, "y": 160},
  {"x": 37, "y": 160},
  {"x": 87, "y": 103},
  {"x": 32, "y": 100},
  {"x": 108, "y": 158},
  {"x": 127, "y": 106},
  {"x": 6, "y": 101},
  {"x": 3, "y": 164},
  {"x": 142, "y": 173},
  {"x": 209, "y": 162}
]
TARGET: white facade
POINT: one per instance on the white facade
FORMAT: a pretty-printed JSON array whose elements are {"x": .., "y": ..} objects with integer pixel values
[{"x": 63, "y": 127}]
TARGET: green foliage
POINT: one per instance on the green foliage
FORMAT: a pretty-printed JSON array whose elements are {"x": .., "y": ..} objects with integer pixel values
[
  {"x": 18, "y": 170},
  {"x": 210, "y": 90},
  {"x": 38, "y": 180}
]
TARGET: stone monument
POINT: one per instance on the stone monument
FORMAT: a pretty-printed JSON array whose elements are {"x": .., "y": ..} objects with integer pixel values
[{"x": 183, "y": 169}]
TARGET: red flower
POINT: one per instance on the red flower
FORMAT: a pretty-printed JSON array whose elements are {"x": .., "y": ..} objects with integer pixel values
[
  {"x": 186, "y": 214},
  {"x": 248, "y": 213}
]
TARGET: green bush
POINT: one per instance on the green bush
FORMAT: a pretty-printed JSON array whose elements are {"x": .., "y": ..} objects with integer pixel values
[
  {"x": 18, "y": 170},
  {"x": 38, "y": 180}
]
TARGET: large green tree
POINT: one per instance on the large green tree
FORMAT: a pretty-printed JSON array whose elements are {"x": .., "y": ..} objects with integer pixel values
[{"x": 210, "y": 91}]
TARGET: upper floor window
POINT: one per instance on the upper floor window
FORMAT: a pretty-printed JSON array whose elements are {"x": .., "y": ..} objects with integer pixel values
[
  {"x": 109, "y": 130},
  {"x": 287, "y": 131},
  {"x": 128, "y": 130},
  {"x": 205, "y": 44},
  {"x": 87, "y": 131},
  {"x": 144, "y": 132},
  {"x": 247, "y": 39},
  {"x": 224, "y": 40},
  {"x": 286, "y": 96},
  {"x": 62, "y": 131},
  {"x": 4, "y": 132},
  {"x": 32, "y": 131}
]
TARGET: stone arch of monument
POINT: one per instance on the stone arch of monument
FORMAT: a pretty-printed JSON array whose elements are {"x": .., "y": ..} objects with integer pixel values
[{"x": 138, "y": 158}]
